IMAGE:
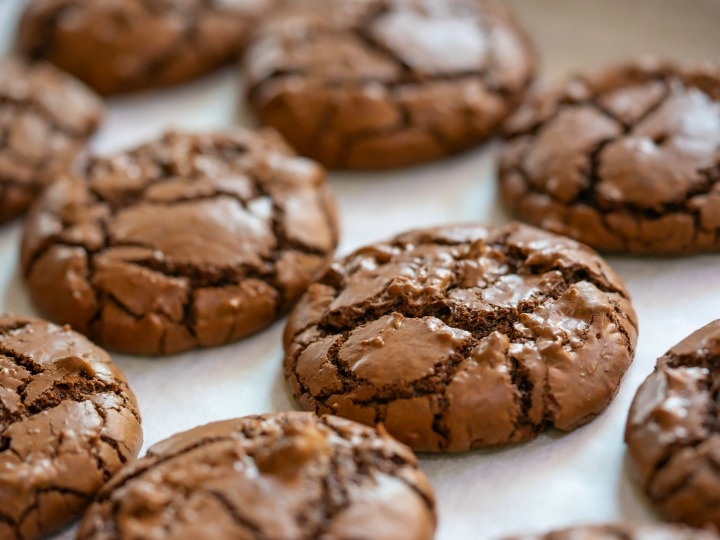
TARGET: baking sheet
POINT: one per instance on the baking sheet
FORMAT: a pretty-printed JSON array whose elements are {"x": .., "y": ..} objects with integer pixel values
[{"x": 556, "y": 480}]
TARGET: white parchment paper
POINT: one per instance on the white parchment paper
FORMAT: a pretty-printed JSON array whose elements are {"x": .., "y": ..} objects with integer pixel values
[{"x": 556, "y": 480}]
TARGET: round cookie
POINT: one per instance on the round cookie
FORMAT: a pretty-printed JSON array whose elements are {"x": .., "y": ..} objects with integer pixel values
[
  {"x": 463, "y": 337},
  {"x": 622, "y": 532},
  {"x": 626, "y": 159},
  {"x": 375, "y": 84},
  {"x": 285, "y": 475},
  {"x": 68, "y": 422},
  {"x": 672, "y": 430},
  {"x": 46, "y": 118},
  {"x": 129, "y": 45},
  {"x": 190, "y": 240}
]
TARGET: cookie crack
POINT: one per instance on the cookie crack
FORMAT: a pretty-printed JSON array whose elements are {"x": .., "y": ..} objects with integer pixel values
[
  {"x": 683, "y": 483},
  {"x": 45, "y": 39},
  {"x": 30, "y": 103},
  {"x": 372, "y": 459},
  {"x": 35, "y": 505},
  {"x": 153, "y": 460},
  {"x": 587, "y": 196},
  {"x": 235, "y": 514}
]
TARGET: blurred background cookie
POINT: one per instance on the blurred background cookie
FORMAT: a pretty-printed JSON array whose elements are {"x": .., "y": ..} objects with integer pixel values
[
  {"x": 283, "y": 475},
  {"x": 68, "y": 422},
  {"x": 375, "y": 84},
  {"x": 46, "y": 118},
  {"x": 621, "y": 532},
  {"x": 623, "y": 159},
  {"x": 128, "y": 45},
  {"x": 462, "y": 337},
  {"x": 672, "y": 430},
  {"x": 190, "y": 240}
]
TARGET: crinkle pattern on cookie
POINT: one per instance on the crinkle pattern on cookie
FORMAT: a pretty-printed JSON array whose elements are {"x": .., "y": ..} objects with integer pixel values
[
  {"x": 68, "y": 422},
  {"x": 673, "y": 431},
  {"x": 626, "y": 159},
  {"x": 46, "y": 117},
  {"x": 463, "y": 337},
  {"x": 127, "y": 45},
  {"x": 192, "y": 240},
  {"x": 386, "y": 83},
  {"x": 285, "y": 475}
]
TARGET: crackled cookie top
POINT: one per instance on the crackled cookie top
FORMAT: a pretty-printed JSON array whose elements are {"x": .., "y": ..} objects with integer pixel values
[
  {"x": 128, "y": 45},
  {"x": 285, "y": 475},
  {"x": 463, "y": 337},
  {"x": 46, "y": 118},
  {"x": 68, "y": 422},
  {"x": 672, "y": 430},
  {"x": 622, "y": 531},
  {"x": 191, "y": 240},
  {"x": 387, "y": 83},
  {"x": 625, "y": 159}
]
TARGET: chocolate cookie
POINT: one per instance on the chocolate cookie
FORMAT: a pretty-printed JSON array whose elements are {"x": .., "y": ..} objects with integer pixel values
[
  {"x": 68, "y": 422},
  {"x": 622, "y": 532},
  {"x": 626, "y": 159},
  {"x": 46, "y": 118},
  {"x": 129, "y": 45},
  {"x": 191, "y": 240},
  {"x": 673, "y": 434},
  {"x": 386, "y": 83},
  {"x": 463, "y": 337},
  {"x": 286, "y": 475}
]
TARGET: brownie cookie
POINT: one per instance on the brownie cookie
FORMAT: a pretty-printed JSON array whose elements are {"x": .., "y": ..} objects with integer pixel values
[
  {"x": 386, "y": 83},
  {"x": 463, "y": 336},
  {"x": 622, "y": 532},
  {"x": 191, "y": 240},
  {"x": 626, "y": 159},
  {"x": 46, "y": 117},
  {"x": 673, "y": 432},
  {"x": 129, "y": 45},
  {"x": 286, "y": 475},
  {"x": 68, "y": 422}
]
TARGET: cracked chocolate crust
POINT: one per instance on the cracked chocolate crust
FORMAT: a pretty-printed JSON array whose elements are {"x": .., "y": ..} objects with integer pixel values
[
  {"x": 623, "y": 532},
  {"x": 625, "y": 159},
  {"x": 463, "y": 336},
  {"x": 46, "y": 118},
  {"x": 130, "y": 45},
  {"x": 191, "y": 240},
  {"x": 68, "y": 422},
  {"x": 376, "y": 84},
  {"x": 673, "y": 432},
  {"x": 284, "y": 475}
]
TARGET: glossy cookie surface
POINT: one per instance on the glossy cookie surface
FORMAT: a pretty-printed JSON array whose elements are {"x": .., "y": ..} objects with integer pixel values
[
  {"x": 129, "y": 45},
  {"x": 376, "y": 84},
  {"x": 68, "y": 422},
  {"x": 672, "y": 430},
  {"x": 462, "y": 337},
  {"x": 285, "y": 475},
  {"x": 46, "y": 119},
  {"x": 624, "y": 159},
  {"x": 193, "y": 240}
]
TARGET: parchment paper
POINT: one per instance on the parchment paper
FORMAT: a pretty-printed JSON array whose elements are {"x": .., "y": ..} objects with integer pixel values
[{"x": 556, "y": 480}]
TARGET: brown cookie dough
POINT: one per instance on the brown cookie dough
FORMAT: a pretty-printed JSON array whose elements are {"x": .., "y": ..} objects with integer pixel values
[
  {"x": 463, "y": 336},
  {"x": 46, "y": 117},
  {"x": 285, "y": 475},
  {"x": 622, "y": 532},
  {"x": 128, "y": 45},
  {"x": 673, "y": 433},
  {"x": 375, "y": 84},
  {"x": 191, "y": 240},
  {"x": 626, "y": 159},
  {"x": 68, "y": 422}
]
